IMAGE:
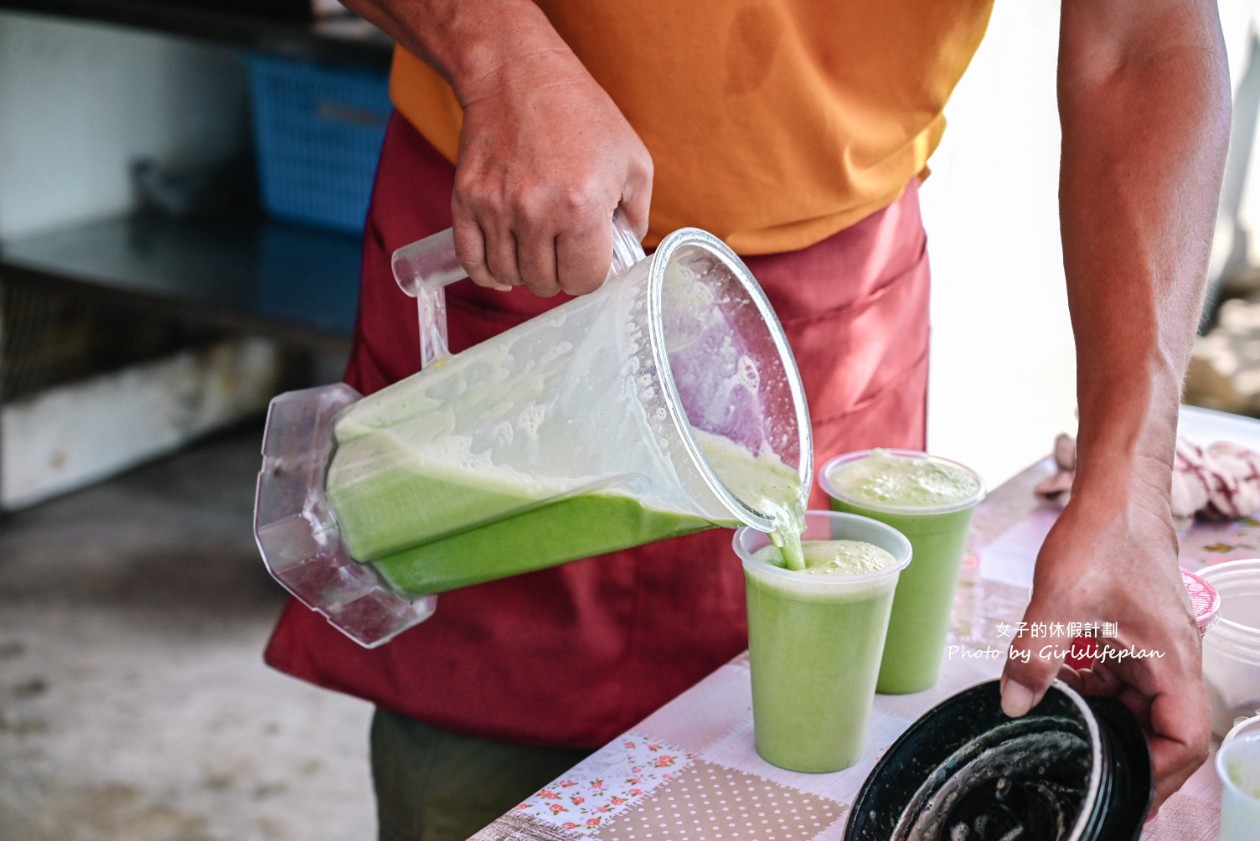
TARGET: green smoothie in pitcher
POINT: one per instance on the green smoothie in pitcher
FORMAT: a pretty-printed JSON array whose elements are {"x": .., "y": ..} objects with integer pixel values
[
  {"x": 930, "y": 500},
  {"x": 432, "y": 515}
]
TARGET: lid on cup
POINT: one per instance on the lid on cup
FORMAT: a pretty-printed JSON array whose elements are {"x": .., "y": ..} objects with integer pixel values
[{"x": 1205, "y": 602}]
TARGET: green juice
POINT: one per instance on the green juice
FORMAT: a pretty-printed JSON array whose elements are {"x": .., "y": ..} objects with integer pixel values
[
  {"x": 414, "y": 501},
  {"x": 814, "y": 639},
  {"x": 540, "y": 537},
  {"x": 429, "y": 526},
  {"x": 930, "y": 501}
]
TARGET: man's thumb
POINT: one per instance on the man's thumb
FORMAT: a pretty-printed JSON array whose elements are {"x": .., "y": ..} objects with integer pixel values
[{"x": 1033, "y": 663}]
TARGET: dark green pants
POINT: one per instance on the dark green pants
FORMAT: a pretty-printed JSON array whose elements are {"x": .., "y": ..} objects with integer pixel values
[{"x": 432, "y": 785}]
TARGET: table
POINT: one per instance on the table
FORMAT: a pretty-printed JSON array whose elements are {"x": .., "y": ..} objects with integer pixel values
[{"x": 689, "y": 771}]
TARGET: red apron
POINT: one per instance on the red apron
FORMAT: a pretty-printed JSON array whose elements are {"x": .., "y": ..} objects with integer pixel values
[{"x": 576, "y": 654}]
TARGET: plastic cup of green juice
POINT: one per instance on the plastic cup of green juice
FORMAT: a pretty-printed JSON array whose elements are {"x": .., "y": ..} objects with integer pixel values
[
  {"x": 930, "y": 500},
  {"x": 815, "y": 638}
]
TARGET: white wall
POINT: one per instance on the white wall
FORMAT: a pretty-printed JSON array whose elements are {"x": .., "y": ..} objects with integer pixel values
[
  {"x": 1001, "y": 384},
  {"x": 79, "y": 102},
  {"x": 1236, "y": 245}
]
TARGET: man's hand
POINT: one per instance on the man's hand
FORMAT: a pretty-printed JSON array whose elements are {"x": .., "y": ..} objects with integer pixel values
[
  {"x": 545, "y": 159},
  {"x": 1114, "y": 563},
  {"x": 545, "y": 155}
]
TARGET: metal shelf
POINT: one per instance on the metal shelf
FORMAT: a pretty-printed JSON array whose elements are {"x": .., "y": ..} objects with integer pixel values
[
  {"x": 290, "y": 281},
  {"x": 243, "y": 270},
  {"x": 340, "y": 39}
]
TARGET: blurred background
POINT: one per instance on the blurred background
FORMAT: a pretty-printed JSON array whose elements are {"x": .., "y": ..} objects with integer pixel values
[{"x": 182, "y": 186}]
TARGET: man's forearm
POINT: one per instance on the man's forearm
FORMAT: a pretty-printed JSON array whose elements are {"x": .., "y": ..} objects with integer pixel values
[
  {"x": 1144, "y": 103},
  {"x": 545, "y": 156},
  {"x": 470, "y": 42}
]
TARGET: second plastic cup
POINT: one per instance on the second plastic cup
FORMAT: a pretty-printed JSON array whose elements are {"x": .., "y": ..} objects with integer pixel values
[
  {"x": 1238, "y": 764},
  {"x": 814, "y": 644},
  {"x": 1231, "y": 650},
  {"x": 930, "y": 500}
]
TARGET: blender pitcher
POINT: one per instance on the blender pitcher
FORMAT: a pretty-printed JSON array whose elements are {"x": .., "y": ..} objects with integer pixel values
[{"x": 663, "y": 403}]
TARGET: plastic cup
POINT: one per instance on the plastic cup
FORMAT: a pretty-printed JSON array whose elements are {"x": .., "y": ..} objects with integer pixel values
[
  {"x": 937, "y": 531},
  {"x": 1238, "y": 765},
  {"x": 814, "y": 645},
  {"x": 1231, "y": 649},
  {"x": 1243, "y": 726}
]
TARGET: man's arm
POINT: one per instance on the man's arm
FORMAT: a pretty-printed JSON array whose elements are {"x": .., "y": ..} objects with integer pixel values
[
  {"x": 1144, "y": 104},
  {"x": 545, "y": 155}
]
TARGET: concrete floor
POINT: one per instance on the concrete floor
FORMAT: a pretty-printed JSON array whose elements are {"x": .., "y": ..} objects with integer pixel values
[{"x": 134, "y": 703}]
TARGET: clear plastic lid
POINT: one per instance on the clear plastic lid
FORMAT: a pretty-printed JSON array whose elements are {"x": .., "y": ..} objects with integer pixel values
[{"x": 1205, "y": 602}]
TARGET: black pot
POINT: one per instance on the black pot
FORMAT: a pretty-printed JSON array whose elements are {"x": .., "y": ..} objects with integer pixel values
[{"x": 1072, "y": 769}]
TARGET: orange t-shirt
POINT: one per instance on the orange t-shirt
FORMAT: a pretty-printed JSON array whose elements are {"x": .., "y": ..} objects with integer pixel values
[{"x": 772, "y": 125}]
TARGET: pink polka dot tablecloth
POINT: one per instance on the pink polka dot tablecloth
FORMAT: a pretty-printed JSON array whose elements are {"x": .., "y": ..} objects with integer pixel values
[{"x": 689, "y": 771}]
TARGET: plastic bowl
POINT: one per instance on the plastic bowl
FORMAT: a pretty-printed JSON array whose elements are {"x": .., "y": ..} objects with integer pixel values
[{"x": 1231, "y": 649}]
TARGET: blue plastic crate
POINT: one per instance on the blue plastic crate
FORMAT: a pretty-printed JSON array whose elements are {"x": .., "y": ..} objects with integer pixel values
[{"x": 318, "y": 131}]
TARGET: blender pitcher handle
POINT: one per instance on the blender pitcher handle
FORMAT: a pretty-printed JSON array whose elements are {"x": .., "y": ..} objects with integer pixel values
[{"x": 426, "y": 267}]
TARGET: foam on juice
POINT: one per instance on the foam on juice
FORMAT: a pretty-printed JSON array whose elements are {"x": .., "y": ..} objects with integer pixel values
[
  {"x": 845, "y": 557},
  {"x": 832, "y": 557},
  {"x": 883, "y": 478}
]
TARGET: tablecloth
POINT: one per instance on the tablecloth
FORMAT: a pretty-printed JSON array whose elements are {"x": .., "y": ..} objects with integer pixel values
[{"x": 689, "y": 771}]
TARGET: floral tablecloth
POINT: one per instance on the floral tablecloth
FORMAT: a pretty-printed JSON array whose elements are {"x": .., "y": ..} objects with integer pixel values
[{"x": 689, "y": 771}]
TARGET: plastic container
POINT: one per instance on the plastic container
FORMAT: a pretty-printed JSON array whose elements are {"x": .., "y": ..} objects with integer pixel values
[
  {"x": 1072, "y": 769},
  {"x": 934, "y": 511},
  {"x": 318, "y": 133},
  {"x": 815, "y": 643},
  {"x": 579, "y": 432},
  {"x": 1231, "y": 649},
  {"x": 1242, "y": 726},
  {"x": 1238, "y": 766}
]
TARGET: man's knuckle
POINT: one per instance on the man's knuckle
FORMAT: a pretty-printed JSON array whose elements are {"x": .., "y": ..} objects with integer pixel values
[
  {"x": 579, "y": 196},
  {"x": 529, "y": 204}
]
